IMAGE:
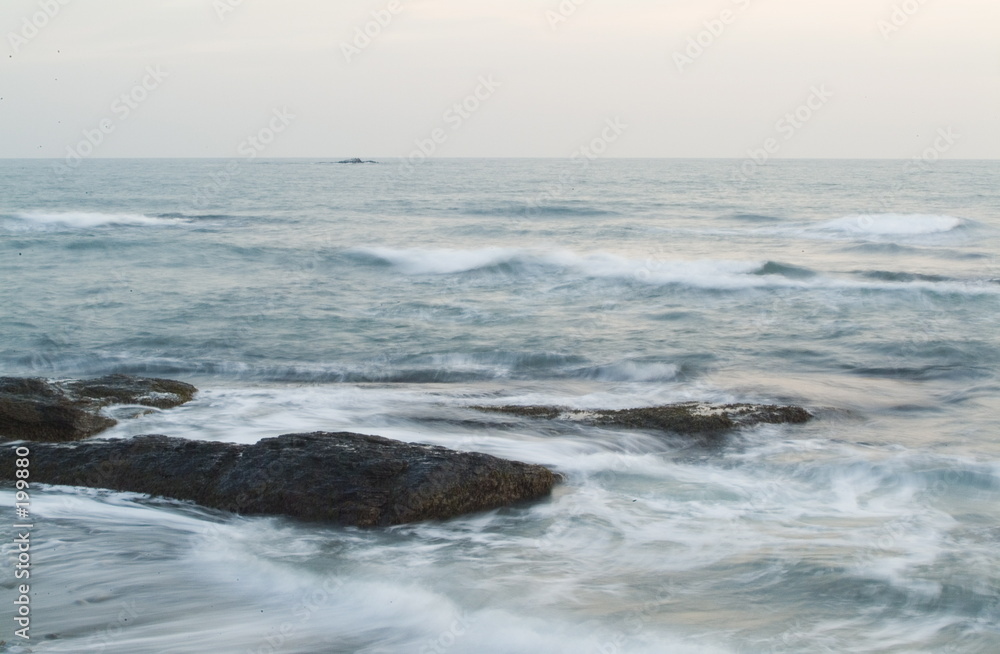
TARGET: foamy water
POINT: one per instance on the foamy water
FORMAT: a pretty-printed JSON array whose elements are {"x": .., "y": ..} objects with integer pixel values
[{"x": 309, "y": 297}]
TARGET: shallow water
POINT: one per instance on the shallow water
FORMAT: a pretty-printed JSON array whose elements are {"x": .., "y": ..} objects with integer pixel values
[{"x": 304, "y": 296}]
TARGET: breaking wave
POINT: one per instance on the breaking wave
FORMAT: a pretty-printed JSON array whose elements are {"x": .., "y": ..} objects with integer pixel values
[
  {"x": 893, "y": 224},
  {"x": 707, "y": 274},
  {"x": 28, "y": 220}
]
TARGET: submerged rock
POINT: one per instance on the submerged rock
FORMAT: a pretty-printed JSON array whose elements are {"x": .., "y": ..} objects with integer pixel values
[
  {"x": 683, "y": 418},
  {"x": 37, "y": 409},
  {"x": 345, "y": 478}
]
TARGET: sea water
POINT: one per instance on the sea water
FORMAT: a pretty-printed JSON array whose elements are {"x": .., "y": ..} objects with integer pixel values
[{"x": 304, "y": 295}]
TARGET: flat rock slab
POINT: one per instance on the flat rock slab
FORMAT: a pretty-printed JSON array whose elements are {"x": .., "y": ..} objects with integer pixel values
[
  {"x": 32, "y": 408},
  {"x": 344, "y": 478},
  {"x": 694, "y": 418}
]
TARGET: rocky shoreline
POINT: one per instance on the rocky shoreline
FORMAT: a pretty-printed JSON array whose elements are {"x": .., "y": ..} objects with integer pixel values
[{"x": 343, "y": 478}]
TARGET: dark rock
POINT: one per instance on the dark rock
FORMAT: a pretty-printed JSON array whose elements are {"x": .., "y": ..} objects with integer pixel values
[
  {"x": 125, "y": 389},
  {"x": 356, "y": 160},
  {"x": 345, "y": 478},
  {"x": 684, "y": 418},
  {"x": 34, "y": 409},
  {"x": 45, "y": 410}
]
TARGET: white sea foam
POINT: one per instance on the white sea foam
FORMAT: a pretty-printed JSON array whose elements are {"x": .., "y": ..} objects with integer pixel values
[
  {"x": 86, "y": 219},
  {"x": 705, "y": 272},
  {"x": 714, "y": 274},
  {"x": 636, "y": 371},
  {"x": 891, "y": 224},
  {"x": 601, "y": 566}
]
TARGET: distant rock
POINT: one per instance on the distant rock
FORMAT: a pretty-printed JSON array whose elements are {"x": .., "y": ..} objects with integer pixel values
[
  {"x": 32, "y": 408},
  {"x": 356, "y": 160},
  {"x": 684, "y": 418},
  {"x": 344, "y": 478}
]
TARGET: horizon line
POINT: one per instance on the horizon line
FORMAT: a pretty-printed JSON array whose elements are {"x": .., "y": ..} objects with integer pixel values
[{"x": 547, "y": 158}]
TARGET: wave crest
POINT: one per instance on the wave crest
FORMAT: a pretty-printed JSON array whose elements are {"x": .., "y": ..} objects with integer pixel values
[
  {"x": 86, "y": 219},
  {"x": 894, "y": 224},
  {"x": 707, "y": 274},
  {"x": 440, "y": 261}
]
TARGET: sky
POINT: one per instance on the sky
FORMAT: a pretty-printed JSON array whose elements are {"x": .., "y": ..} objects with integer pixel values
[{"x": 508, "y": 78}]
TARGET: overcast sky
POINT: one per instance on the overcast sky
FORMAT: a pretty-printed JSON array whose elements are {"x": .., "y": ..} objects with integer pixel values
[{"x": 680, "y": 78}]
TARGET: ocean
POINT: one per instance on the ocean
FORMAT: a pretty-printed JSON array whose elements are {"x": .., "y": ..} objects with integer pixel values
[{"x": 306, "y": 295}]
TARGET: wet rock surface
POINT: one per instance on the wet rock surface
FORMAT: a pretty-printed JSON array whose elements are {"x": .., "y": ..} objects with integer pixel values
[
  {"x": 344, "y": 478},
  {"x": 33, "y": 408},
  {"x": 688, "y": 418}
]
